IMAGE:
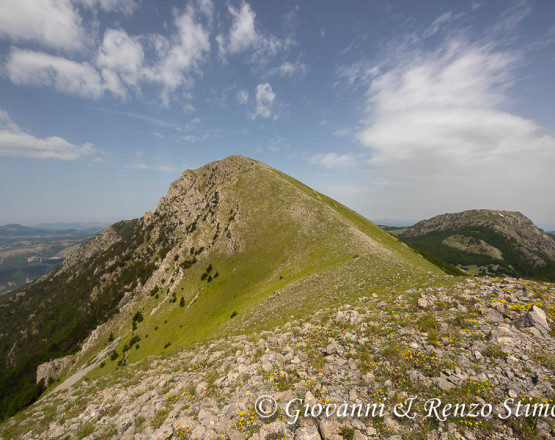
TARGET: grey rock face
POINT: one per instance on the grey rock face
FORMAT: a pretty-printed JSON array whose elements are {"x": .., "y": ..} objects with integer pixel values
[
  {"x": 53, "y": 369},
  {"x": 535, "y": 317}
]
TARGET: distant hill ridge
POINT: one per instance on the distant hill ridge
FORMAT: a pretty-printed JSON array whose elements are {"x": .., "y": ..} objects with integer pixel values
[{"x": 497, "y": 242}]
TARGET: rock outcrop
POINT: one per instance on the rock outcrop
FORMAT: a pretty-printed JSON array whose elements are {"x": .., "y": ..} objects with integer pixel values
[{"x": 53, "y": 369}]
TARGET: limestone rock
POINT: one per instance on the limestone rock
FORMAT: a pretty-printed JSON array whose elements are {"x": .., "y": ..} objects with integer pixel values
[
  {"x": 307, "y": 433},
  {"x": 535, "y": 317},
  {"x": 53, "y": 369}
]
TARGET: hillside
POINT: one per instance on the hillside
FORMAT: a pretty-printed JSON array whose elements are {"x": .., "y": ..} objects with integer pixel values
[
  {"x": 233, "y": 247},
  {"x": 472, "y": 342},
  {"x": 487, "y": 242}
]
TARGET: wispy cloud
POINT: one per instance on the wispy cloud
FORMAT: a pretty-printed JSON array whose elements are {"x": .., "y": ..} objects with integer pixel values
[
  {"x": 167, "y": 123},
  {"x": 179, "y": 56},
  {"x": 338, "y": 161},
  {"x": 125, "y": 7},
  {"x": 244, "y": 36},
  {"x": 288, "y": 69},
  {"x": 342, "y": 132},
  {"x": 137, "y": 165},
  {"x": 16, "y": 142},
  {"x": 242, "y": 96},
  {"x": 121, "y": 61},
  {"x": 265, "y": 98}
]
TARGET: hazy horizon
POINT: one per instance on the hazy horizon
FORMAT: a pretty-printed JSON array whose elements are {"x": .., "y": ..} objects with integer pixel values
[{"x": 398, "y": 110}]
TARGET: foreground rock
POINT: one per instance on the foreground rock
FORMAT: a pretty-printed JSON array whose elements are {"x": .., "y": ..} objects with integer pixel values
[{"x": 378, "y": 351}]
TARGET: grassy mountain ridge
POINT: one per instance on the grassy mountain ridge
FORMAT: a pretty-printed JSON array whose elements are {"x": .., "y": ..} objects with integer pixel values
[
  {"x": 494, "y": 242},
  {"x": 233, "y": 246}
]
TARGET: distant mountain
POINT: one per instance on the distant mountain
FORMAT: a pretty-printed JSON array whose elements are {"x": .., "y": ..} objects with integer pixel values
[
  {"x": 27, "y": 253},
  {"x": 394, "y": 230},
  {"x": 79, "y": 226},
  {"x": 551, "y": 234},
  {"x": 15, "y": 230},
  {"x": 394, "y": 222},
  {"x": 487, "y": 242}
]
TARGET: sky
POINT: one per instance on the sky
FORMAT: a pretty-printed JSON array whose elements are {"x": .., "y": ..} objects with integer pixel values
[{"x": 400, "y": 110}]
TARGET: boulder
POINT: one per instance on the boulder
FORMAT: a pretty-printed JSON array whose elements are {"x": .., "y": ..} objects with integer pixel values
[
  {"x": 535, "y": 317},
  {"x": 307, "y": 433},
  {"x": 501, "y": 335}
]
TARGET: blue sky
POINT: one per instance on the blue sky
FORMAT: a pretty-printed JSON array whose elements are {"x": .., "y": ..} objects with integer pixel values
[{"x": 400, "y": 110}]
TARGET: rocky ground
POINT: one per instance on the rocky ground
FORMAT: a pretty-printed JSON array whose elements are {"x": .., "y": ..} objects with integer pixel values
[{"x": 480, "y": 341}]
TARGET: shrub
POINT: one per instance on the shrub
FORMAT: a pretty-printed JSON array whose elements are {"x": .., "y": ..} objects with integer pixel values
[
  {"x": 182, "y": 302},
  {"x": 234, "y": 314},
  {"x": 138, "y": 317},
  {"x": 426, "y": 323},
  {"x": 114, "y": 355},
  {"x": 433, "y": 339},
  {"x": 495, "y": 351},
  {"x": 347, "y": 433}
]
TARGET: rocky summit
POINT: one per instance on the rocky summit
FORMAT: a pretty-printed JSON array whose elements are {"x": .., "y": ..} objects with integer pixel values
[{"x": 248, "y": 305}]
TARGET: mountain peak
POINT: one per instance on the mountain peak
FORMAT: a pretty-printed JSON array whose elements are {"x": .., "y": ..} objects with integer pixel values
[
  {"x": 504, "y": 242},
  {"x": 228, "y": 165}
]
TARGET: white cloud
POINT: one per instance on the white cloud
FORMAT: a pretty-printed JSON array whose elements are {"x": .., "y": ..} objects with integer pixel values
[
  {"x": 439, "y": 135},
  {"x": 265, "y": 97},
  {"x": 180, "y": 56},
  {"x": 443, "y": 104},
  {"x": 119, "y": 65},
  {"x": 120, "y": 60},
  {"x": 334, "y": 160},
  {"x": 39, "y": 68},
  {"x": 243, "y": 36},
  {"x": 242, "y": 96},
  {"x": 52, "y": 23},
  {"x": 17, "y": 143},
  {"x": 288, "y": 69}
]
